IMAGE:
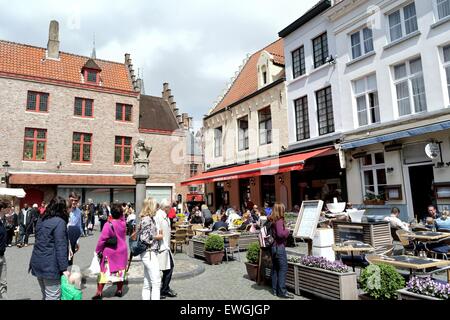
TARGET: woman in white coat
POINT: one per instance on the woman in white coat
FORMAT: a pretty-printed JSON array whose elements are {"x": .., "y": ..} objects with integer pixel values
[
  {"x": 165, "y": 255},
  {"x": 151, "y": 235}
]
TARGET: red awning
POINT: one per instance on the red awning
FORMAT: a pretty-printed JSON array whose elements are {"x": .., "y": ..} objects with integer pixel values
[
  {"x": 194, "y": 198},
  {"x": 264, "y": 168}
]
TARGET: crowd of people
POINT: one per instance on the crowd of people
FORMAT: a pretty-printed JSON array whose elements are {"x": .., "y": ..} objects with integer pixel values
[{"x": 58, "y": 228}]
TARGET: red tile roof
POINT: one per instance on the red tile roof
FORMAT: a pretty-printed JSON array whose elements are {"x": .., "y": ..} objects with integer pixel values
[
  {"x": 19, "y": 60},
  {"x": 247, "y": 81}
]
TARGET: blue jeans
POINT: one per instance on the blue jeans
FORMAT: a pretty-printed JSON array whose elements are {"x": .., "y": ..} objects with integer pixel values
[{"x": 279, "y": 270}]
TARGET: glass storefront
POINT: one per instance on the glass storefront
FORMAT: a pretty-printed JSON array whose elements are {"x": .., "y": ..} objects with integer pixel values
[
  {"x": 100, "y": 195},
  {"x": 160, "y": 193}
]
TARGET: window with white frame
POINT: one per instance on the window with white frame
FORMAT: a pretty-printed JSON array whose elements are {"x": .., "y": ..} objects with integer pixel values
[
  {"x": 447, "y": 67},
  {"x": 443, "y": 8},
  {"x": 403, "y": 22},
  {"x": 410, "y": 86},
  {"x": 366, "y": 95},
  {"x": 243, "y": 133},
  {"x": 265, "y": 126},
  {"x": 218, "y": 142},
  {"x": 362, "y": 42},
  {"x": 373, "y": 171}
]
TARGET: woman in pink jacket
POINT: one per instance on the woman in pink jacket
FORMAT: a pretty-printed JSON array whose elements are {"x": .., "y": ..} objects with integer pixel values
[{"x": 114, "y": 257}]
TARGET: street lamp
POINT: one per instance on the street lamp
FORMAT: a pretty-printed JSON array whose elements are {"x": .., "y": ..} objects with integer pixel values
[{"x": 6, "y": 166}]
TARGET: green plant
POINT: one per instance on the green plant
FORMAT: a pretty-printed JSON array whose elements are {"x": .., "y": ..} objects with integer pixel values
[
  {"x": 214, "y": 243},
  {"x": 381, "y": 281},
  {"x": 253, "y": 253},
  {"x": 370, "y": 196}
]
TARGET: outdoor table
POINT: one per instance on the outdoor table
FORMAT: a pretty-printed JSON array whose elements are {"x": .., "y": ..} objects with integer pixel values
[
  {"x": 427, "y": 235},
  {"x": 204, "y": 231},
  {"x": 352, "y": 247},
  {"x": 414, "y": 263},
  {"x": 418, "y": 227}
]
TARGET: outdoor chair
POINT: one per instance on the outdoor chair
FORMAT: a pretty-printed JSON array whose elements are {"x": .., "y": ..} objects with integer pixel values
[
  {"x": 440, "y": 247},
  {"x": 232, "y": 246},
  {"x": 180, "y": 239},
  {"x": 408, "y": 246},
  {"x": 386, "y": 250},
  {"x": 195, "y": 227}
]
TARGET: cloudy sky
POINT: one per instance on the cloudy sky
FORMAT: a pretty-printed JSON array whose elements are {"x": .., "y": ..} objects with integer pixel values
[{"x": 195, "y": 45}]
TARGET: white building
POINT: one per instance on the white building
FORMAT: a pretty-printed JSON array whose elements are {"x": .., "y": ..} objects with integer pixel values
[
  {"x": 393, "y": 66},
  {"x": 316, "y": 120}
]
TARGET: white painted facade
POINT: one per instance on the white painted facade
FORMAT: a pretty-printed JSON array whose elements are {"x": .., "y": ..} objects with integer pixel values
[
  {"x": 313, "y": 80},
  {"x": 427, "y": 43}
]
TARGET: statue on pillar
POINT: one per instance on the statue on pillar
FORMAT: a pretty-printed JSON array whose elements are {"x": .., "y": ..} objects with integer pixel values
[
  {"x": 141, "y": 151},
  {"x": 141, "y": 172}
]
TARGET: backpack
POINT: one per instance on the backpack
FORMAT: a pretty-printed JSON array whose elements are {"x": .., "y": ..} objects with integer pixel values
[{"x": 267, "y": 235}]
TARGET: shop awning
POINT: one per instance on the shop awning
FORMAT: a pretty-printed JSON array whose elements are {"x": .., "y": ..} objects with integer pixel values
[
  {"x": 11, "y": 192},
  {"x": 397, "y": 135},
  {"x": 267, "y": 167}
]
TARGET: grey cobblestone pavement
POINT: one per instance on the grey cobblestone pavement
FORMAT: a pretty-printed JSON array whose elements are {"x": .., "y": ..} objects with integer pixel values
[{"x": 227, "y": 281}]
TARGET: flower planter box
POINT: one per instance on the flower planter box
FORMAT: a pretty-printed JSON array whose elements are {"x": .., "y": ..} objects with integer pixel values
[
  {"x": 327, "y": 284},
  {"x": 252, "y": 271},
  {"x": 377, "y": 234},
  {"x": 214, "y": 257},
  {"x": 404, "y": 294},
  {"x": 198, "y": 248},
  {"x": 246, "y": 239},
  {"x": 374, "y": 202}
]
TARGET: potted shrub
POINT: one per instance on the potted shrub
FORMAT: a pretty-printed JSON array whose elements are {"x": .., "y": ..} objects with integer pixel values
[
  {"x": 381, "y": 281},
  {"x": 326, "y": 279},
  {"x": 214, "y": 247},
  {"x": 252, "y": 261},
  {"x": 424, "y": 289}
]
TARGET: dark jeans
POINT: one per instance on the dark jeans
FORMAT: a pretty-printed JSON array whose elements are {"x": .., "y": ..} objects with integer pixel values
[
  {"x": 25, "y": 232},
  {"x": 279, "y": 270},
  {"x": 74, "y": 234},
  {"x": 102, "y": 223},
  {"x": 167, "y": 276},
  {"x": 9, "y": 236}
]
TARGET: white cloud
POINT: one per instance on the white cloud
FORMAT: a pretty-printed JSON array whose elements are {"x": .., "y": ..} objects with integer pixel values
[{"x": 195, "y": 45}]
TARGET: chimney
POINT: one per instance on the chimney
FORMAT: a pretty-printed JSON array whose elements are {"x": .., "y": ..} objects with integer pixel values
[
  {"x": 190, "y": 122},
  {"x": 127, "y": 58},
  {"x": 170, "y": 100},
  {"x": 53, "y": 41},
  {"x": 180, "y": 119},
  {"x": 185, "y": 120},
  {"x": 174, "y": 108},
  {"x": 166, "y": 91}
]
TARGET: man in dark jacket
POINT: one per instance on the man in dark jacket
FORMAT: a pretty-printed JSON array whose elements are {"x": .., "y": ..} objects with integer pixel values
[
  {"x": 25, "y": 223},
  {"x": 3, "y": 284}
]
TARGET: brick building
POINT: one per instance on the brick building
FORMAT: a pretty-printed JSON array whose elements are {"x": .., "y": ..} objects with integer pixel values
[{"x": 70, "y": 123}]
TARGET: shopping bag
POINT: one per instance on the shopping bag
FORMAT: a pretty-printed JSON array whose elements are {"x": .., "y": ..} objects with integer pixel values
[
  {"x": 94, "y": 268},
  {"x": 69, "y": 291}
]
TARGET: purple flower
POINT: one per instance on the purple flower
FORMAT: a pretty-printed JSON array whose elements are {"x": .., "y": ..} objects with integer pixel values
[{"x": 429, "y": 287}]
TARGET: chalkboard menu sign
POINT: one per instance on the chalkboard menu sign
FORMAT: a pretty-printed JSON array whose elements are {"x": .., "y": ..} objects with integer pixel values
[{"x": 307, "y": 219}]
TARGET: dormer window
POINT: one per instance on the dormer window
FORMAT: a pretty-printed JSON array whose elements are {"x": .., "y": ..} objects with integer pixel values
[
  {"x": 91, "y": 72},
  {"x": 91, "y": 76},
  {"x": 264, "y": 75}
]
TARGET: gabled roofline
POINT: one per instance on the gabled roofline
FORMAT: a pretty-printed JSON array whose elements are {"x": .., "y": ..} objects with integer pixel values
[
  {"x": 320, "y": 7},
  {"x": 267, "y": 87}
]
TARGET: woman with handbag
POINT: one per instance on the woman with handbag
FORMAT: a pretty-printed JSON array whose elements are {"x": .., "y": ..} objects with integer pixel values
[
  {"x": 279, "y": 256},
  {"x": 150, "y": 235},
  {"x": 113, "y": 253}
]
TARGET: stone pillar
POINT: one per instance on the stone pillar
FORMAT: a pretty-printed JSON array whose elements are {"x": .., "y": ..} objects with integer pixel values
[{"x": 141, "y": 174}]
